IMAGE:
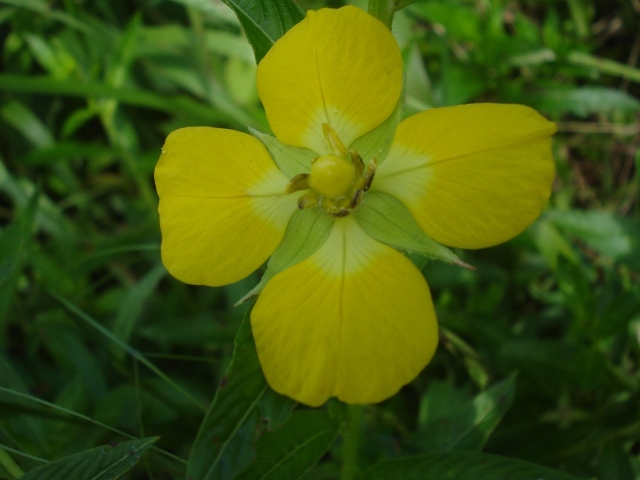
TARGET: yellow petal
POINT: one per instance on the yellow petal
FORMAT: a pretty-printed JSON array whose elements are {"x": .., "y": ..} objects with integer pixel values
[
  {"x": 222, "y": 205},
  {"x": 473, "y": 176},
  {"x": 354, "y": 320},
  {"x": 342, "y": 67}
]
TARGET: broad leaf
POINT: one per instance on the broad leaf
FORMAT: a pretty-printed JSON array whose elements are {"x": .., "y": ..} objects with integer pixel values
[
  {"x": 242, "y": 404},
  {"x": 468, "y": 426},
  {"x": 101, "y": 463},
  {"x": 294, "y": 449},
  {"x": 462, "y": 466},
  {"x": 265, "y": 21}
]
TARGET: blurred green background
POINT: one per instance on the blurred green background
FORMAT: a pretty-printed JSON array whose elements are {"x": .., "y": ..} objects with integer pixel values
[{"x": 89, "y": 89}]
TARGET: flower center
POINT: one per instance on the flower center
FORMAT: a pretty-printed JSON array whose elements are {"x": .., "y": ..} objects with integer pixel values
[
  {"x": 331, "y": 176},
  {"x": 337, "y": 181}
]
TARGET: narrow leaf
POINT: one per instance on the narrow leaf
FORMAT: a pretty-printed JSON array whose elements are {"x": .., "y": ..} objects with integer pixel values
[
  {"x": 294, "y": 449},
  {"x": 141, "y": 98},
  {"x": 462, "y": 466},
  {"x": 127, "y": 348},
  {"x": 265, "y": 21},
  {"x": 100, "y": 463},
  {"x": 13, "y": 243},
  {"x": 224, "y": 445},
  {"x": 133, "y": 303}
]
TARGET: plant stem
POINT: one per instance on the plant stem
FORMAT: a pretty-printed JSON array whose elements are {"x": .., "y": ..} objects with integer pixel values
[
  {"x": 351, "y": 443},
  {"x": 383, "y": 10},
  {"x": 10, "y": 466}
]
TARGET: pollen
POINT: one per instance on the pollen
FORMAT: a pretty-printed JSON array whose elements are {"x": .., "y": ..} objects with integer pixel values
[{"x": 332, "y": 176}]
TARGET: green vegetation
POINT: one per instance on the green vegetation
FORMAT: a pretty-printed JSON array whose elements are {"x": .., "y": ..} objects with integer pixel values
[{"x": 107, "y": 360}]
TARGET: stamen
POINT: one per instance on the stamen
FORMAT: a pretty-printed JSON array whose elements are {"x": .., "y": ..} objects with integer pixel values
[
  {"x": 357, "y": 162},
  {"x": 337, "y": 147},
  {"x": 298, "y": 183}
]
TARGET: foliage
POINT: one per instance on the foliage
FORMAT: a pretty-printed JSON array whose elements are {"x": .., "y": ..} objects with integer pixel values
[{"x": 101, "y": 351}]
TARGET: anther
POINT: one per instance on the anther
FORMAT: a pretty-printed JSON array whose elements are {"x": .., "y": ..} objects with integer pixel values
[
  {"x": 337, "y": 147},
  {"x": 298, "y": 183},
  {"x": 358, "y": 164}
]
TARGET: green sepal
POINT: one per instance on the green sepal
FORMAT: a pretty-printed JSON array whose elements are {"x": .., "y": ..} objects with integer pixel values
[
  {"x": 307, "y": 231},
  {"x": 291, "y": 160},
  {"x": 377, "y": 143},
  {"x": 386, "y": 219}
]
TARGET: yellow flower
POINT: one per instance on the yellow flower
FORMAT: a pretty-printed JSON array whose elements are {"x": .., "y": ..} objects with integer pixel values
[{"x": 350, "y": 317}]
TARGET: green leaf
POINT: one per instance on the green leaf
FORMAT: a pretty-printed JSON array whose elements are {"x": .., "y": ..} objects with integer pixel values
[
  {"x": 265, "y": 21},
  {"x": 127, "y": 348},
  {"x": 15, "y": 397},
  {"x": 616, "y": 237},
  {"x": 294, "y": 449},
  {"x": 462, "y": 466},
  {"x": 377, "y": 143},
  {"x": 28, "y": 429},
  {"x": 27, "y": 123},
  {"x": 615, "y": 463},
  {"x": 133, "y": 303},
  {"x": 43, "y": 8},
  {"x": 49, "y": 218},
  {"x": 141, "y": 98},
  {"x": 460, "y": 20},
  {"x": 386, "y": 219},
  {"x": 306, "y": 232},
  {"x": 291, "y": 160},
  {"x": 13, "y": 242},
  {"x": 584, "y": 101},
  {"x": 551, "y": 243},
  {"x": 469, "y": 426},
  {"x": 224, "y": 444},
  {"x": 100, "y": 463},
  {"x": 8, "y": 467}
]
